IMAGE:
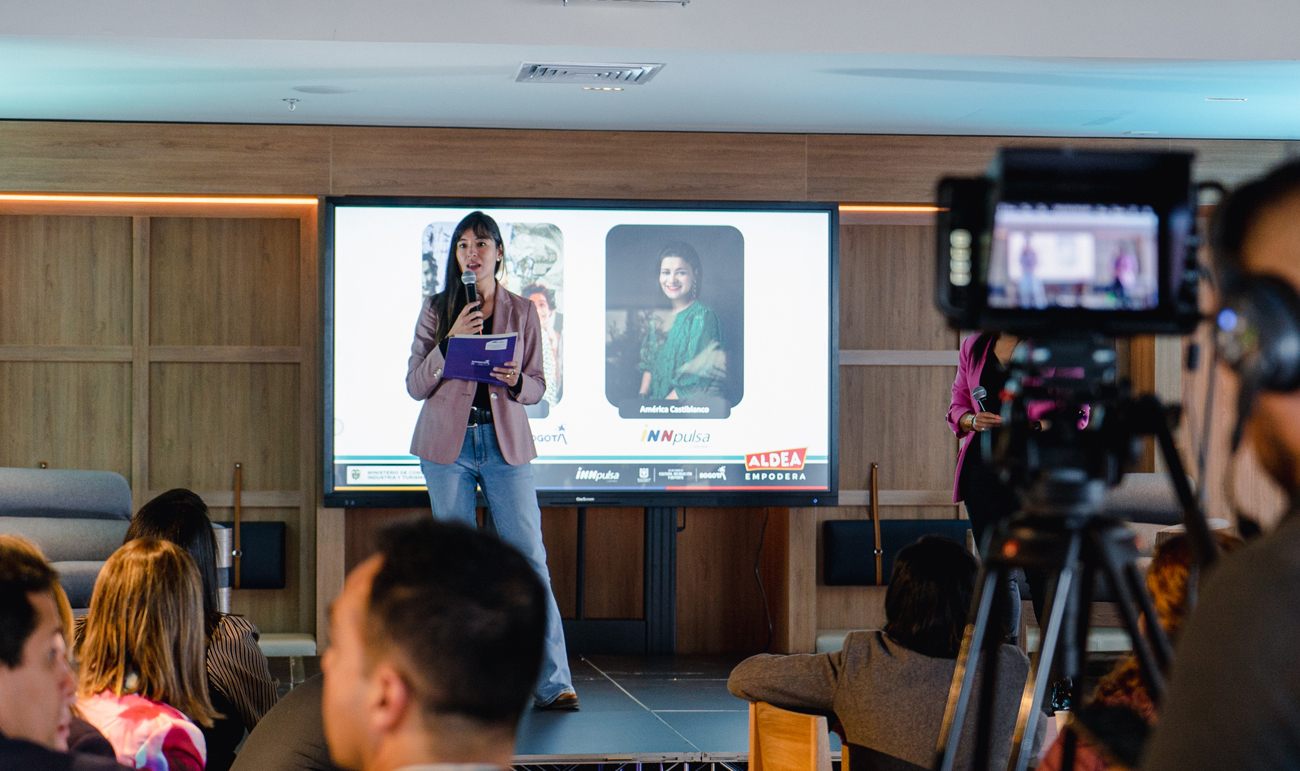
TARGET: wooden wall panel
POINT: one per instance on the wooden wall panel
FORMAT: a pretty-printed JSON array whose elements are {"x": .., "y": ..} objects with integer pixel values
[
  {"x": 164, "y": 158},
  {"x": 878, "y": 168},
  {"x": 362, "y": 528},
  {"x": 274, "y": 610},
  {"x": 615, "y": 563},
  {"x": 719, "y": 606},
  {"x": 567, "y": 164},
  {"x": 70, "y": 415},
  {"x": 65, "y": 280},
  {"x": 206, "y": 417},
  {"x": 887, "y": 290},
  {"x": 224, "y": 281},
  {"x": 894, "y": 416},
  {"x": 560, "y": 535}
]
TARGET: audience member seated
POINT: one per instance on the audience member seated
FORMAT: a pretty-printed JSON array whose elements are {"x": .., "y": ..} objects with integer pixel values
[
  {"x": 290, "y": 736},
  {"x": 889, "y": 688},
  {"x": 239, "y": 679},
  {"x": 37, "y": 687},
  {"x": 142, "y": 682},
  {"x": 1124, "y": 686},
  {"x": 435, "y": 646},
  {"x": 77, "y": 736}
]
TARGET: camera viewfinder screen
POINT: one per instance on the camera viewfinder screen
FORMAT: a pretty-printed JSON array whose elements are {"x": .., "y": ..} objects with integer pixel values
[{"x": 1085, "y": 256}]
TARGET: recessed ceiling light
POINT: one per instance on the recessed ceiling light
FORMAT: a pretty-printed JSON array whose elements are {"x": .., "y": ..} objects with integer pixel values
[
  {"x": 1225, "y": 98},
  {"x": 600, "y": 88}
]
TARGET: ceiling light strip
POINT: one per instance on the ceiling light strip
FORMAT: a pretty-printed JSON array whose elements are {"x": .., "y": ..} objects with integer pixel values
[{"x": 224, "y": 200}]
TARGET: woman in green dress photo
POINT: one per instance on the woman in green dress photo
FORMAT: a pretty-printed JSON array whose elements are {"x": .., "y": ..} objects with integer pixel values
[{"x": 683, "y": 354}]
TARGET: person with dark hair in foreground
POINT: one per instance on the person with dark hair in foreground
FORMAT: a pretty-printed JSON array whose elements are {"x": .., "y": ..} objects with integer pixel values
[
  {"x": 37, "y": 686},
  {"x": 436, "y": 644},
  {"x": 889, "y": 688},
  {"x": 1234, "y": 691}
]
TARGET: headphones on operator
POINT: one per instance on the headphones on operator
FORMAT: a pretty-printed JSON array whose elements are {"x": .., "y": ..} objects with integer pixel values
[{"x": 1258, "y": 325}]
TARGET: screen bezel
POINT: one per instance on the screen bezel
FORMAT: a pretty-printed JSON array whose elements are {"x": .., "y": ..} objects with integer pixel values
[{"x": 579, "y": 496}]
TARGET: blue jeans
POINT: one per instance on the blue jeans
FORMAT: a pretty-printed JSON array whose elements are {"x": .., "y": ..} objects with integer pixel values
[{"x": 514, "y": 517}]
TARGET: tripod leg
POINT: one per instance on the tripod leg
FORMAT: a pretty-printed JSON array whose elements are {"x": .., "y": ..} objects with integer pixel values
[
  {"x": 963, "y": 677},
  {"x": 1110, "y": 562},
  {"x": 1076, "y": 653},
  {"x": 989, "y": 683},
  {"x": 1160, "y": 644},
  {"x": 1040, "y": 667}
]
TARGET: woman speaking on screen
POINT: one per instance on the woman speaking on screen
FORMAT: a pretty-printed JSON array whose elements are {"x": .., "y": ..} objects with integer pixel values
[
  {"x": 685, "y": 356},
  {"x": 473, "y": 434}
]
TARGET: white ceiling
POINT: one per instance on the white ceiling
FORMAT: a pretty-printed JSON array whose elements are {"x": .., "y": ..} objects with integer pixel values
[{"x": 1105, "y": 68}]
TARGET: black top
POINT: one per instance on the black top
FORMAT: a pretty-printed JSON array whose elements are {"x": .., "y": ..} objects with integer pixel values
[
  {"x": 18, "y": 754},
  {"x": 1234, "y": 696}
]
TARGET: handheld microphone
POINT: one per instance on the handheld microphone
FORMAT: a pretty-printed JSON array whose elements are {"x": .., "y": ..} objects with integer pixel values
[
  {"x": 979, "y": 395},
  {"x": 471, "y": 286}
]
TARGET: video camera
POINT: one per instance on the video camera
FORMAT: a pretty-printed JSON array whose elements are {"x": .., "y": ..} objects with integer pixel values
[{"x": 1059, "y": 240}]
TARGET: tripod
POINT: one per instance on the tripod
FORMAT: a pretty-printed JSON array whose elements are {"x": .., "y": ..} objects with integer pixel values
[{"x": 1063, "y": 532}]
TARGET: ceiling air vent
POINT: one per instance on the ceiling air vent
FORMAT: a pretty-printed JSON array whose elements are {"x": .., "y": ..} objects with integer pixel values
[{"x": 587, "y": 74}]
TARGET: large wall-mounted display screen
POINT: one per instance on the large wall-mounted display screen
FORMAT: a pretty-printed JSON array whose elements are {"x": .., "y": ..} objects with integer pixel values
[{"x": 689, "y": 349}]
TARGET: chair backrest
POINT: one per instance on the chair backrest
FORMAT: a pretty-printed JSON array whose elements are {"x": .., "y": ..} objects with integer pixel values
[
  {"x": 60, "y": 494},
  {"x": 781, "y": 740}
]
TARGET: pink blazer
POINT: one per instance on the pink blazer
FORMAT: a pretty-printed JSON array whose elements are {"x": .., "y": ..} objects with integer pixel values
[
  {"x": 968, "y": 376},
  {"x": 440, "y": 430}
]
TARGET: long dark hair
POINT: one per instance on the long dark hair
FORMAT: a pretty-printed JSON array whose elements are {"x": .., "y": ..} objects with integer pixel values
[
  {"x": 450, "y": 301},
  {"x": 686, "y": 252},
  {"x": 929, "y": 596},
  {"x": 181, "y": 517}
]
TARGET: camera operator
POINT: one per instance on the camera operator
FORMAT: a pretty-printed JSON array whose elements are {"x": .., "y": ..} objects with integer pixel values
[{"x": 1234, "y": 696}]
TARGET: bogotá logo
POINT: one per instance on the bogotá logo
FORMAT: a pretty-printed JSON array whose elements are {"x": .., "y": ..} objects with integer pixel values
[
  {"x": 786, "y": 460},
  {"x": 671, "y": 436},
  {"x": 556, "y": 438}
]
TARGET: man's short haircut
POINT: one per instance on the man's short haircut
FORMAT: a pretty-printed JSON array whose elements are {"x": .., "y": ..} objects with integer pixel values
[
  {"x": 466, "y": 616},
  {"x": 21, "y": 573},
  {"x": 1234, "y": 217},
  {"x": 929, "y": 596}
]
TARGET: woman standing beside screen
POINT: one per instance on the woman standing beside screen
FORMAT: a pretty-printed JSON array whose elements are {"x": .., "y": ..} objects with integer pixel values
[
  {"x": 473, "y": 434},
  {"x": 684, "y": 358}
]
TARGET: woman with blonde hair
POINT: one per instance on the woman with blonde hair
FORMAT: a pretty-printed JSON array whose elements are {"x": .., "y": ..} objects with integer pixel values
[{"x": 142, "y": 681}]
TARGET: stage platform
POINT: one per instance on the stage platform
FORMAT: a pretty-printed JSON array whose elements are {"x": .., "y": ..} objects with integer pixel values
[{"x": 642, "y": 710}]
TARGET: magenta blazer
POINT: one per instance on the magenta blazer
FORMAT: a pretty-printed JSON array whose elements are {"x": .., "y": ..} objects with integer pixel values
[
  {"x": 968, "y": 377},
  {"x": 440, "y": 431}
]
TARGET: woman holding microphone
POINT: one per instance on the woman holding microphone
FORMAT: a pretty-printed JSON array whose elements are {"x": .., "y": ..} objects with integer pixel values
[
  {"x": 472, "y": 435},
  {"x": 982, "y": 372},
  {"x": 976, "y": 407}
]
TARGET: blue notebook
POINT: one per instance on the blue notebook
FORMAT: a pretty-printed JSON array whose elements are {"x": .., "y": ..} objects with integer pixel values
[{"x": 472, "y": 357}]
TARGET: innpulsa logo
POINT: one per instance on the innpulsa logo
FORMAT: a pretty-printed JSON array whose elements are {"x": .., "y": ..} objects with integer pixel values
[
  {"x": 673, "y": 436},
  {"x": 556, "y": 438},
  {"x": 592, "y": 475}
]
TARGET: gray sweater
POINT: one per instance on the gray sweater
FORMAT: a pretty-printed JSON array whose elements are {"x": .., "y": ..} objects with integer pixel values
[{"x": 889, "y": 698}]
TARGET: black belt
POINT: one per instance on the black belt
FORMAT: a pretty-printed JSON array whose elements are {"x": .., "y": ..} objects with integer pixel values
[{"x": 479, "y": 417}]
